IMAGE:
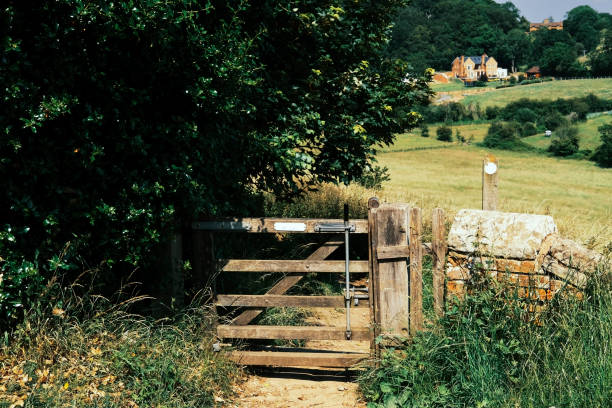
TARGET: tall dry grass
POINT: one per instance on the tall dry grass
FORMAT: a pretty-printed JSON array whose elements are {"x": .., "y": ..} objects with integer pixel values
[{"x": 88, "y": 351}]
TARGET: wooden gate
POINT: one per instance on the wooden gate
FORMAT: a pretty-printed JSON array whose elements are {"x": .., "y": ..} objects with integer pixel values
[{"x": 394, "y": 297}]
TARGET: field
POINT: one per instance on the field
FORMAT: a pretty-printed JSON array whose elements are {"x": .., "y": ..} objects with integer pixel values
[
  {"x": 546, "y": 90},
  {"x": 576, "y": 193}
]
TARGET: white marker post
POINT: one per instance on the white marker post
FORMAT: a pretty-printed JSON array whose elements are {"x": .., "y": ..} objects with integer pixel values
[{"x": 489, "y": 183}]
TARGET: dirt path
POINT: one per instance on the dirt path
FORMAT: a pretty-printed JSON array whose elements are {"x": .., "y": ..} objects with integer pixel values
[{"x": 304, "y": 387}]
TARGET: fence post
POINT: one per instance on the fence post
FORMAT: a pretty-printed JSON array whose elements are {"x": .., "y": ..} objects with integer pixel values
[
  {"x": 390, "y": 278},
  {"x": 373, "y": 204},
  {"x": 490, "y": 167},
  {"x": 438, "y": 248},
  {"x": 416, "y": 272}
]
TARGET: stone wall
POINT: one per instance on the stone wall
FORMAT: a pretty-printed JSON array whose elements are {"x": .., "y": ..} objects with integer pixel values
[{"x": 522, "y": 250}]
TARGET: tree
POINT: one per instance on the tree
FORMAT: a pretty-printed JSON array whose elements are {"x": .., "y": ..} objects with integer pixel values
[
  {"x": 581, "y": 23},
  {"x": 444, "y": 133},
  {"x": 432, "y": 33},
  {"x": 601, "y": 58},
  {"x": 122, "y": 120},
  {"x": 560, "y": 59},
  {"x": 603, "y": 154},
  {"x": 565, "y": 141}
]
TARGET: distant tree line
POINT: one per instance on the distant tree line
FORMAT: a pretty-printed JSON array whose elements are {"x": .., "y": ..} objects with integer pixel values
[
  {"x": 546, "y": 114},
  {"x": 431, "y": 33}
]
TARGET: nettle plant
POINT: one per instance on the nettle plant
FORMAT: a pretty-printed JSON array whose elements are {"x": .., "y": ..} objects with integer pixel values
[{"x": 121, "y": 120}]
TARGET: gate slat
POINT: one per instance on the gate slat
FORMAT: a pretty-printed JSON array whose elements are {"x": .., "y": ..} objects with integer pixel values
[
  {"x": 298, "y": 359},
  {"x": 299, "y": 266},
  {"x": 285, "y": 301},
  {"x": 275, "y": 225},
  {"x": 292, "y": 332}
]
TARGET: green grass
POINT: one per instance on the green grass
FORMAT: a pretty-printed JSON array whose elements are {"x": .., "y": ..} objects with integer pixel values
[
  {"x": 414, "y": 141},
  {"x": 488, "y": 352},
  {"x": 547, "y": 90},
  {"x": 587, "y": 132}
]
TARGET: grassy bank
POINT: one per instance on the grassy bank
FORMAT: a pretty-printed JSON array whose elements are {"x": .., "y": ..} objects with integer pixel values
[
  {"x": 90, "y": 352},
  {"x": 488, "y": 352}
]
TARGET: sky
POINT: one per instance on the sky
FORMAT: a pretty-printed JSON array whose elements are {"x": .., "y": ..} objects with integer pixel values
[{"x": 537, "y": 10}]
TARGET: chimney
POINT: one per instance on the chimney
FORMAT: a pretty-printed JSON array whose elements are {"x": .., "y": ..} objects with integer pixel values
[
  {"x": 482, "y": 62},
  {"x": 462, "y": 66}
]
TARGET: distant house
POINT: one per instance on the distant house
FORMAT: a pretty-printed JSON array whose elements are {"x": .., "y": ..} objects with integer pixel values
[
  {"x": 502, "y": 73},
  {"x": 533, "y": 72},
  {"x": 551, "y": 25},
  {"x": 472, "y": 68}
]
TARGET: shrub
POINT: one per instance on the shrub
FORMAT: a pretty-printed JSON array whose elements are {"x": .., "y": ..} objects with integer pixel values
[
  {"x": 459, "y": 137},
  {"x": 504, "y": 136},
  {"x": 444, "y": 133},
  {"x": 603, "y": 154},
  {"x": 565, "y": 141},
  {"x": 528, "y": 129},
  {"x": 94, "y": 352},
  {"x": 553, "y": 120},
  {"x": 374, "y": 177},
  {"x": 424, "y": 130},
  {"x": 525, "y": 115},
  {"x": 492, "y": 112},
  {"x": 512, "y": 80}
]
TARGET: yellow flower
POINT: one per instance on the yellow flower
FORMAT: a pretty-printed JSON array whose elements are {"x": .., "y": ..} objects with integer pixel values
[{"x": 388, "y": 108}]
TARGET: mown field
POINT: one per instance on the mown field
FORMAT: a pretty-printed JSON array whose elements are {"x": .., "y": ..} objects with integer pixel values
[
  {"x": 577, "y": 193},
  {"x": 546, "y": 90}
]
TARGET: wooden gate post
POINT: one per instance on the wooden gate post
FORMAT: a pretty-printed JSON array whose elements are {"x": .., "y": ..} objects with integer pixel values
[
  {"x": 416, "y": 271},
  {"x": 438, "y": 249},
  {"x": 390, "y": 280},
  {"x": 490, "y": 166}
]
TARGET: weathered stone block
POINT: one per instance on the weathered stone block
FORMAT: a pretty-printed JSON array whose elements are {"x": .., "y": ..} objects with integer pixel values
[
  {"x": 457, "y": 273},
  {"x": 455, "y": 289},
  {"x": 500, "y": 235}
]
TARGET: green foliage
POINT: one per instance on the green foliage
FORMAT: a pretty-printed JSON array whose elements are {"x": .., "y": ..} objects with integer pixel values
[
  {"x": 565, "y": 141},
  {"x": 459, "y": 137},
  {"x": 528, "y": 129},
  {"x": 553, "y": 120},
  {"x": 374, "y": 177},
  {"x": 603, "y": 154},
  {"x": 91, "y": 351},
  {"x": 584, "y": 24},
  {"x": 560, "y": 59},
  {"x": 525, "y": 115},
  {"x": 601, "y": 57},
  {"x": 432, "y": 33},
  {"x": 444, "y": 134},
  {"x": 424, "y": 130},
  {"x": 504, "y": 136},
  {"x": 487, "y": 351},
  {"x": 147, "y": 113}
]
